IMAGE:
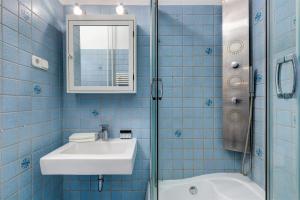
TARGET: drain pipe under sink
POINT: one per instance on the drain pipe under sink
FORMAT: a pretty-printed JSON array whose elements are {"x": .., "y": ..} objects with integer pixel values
[{"x": 100, "y": 183}]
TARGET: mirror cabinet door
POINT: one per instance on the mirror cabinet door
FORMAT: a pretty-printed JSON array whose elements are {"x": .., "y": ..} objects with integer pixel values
[{"x": 101, "y": 55}]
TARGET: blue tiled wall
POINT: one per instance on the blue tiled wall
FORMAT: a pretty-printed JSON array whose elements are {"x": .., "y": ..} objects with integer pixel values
[
  {"x": 30, "y": 98},
  {"x": 284, "y": 136},
  {"x": 85, "y": 113},
  {"x": 190, "y": 117},
  {"x": 259, "y": 63},
  {"x": 190, "y": 138}
]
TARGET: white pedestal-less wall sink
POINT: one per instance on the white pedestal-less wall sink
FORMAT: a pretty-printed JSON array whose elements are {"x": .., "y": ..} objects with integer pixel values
[{"x": 113, "y": 157}]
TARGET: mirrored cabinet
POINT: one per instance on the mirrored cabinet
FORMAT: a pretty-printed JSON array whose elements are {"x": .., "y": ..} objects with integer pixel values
[{"x": 101, "y": 54}]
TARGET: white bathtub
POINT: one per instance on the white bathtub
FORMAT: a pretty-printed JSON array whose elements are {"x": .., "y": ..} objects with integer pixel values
[{"x": 219, "y": 186}]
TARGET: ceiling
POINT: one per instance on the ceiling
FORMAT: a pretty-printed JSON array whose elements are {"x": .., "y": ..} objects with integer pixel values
[{"x": 141, "y": 2}]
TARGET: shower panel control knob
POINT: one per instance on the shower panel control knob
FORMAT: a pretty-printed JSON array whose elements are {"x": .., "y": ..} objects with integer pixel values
[
  {"x": 235, "y": 65},
  {"x": 234, "y": 100}
]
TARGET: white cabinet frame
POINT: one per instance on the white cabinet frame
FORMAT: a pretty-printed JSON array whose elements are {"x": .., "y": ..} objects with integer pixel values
[{"x": 108, "y": 20}]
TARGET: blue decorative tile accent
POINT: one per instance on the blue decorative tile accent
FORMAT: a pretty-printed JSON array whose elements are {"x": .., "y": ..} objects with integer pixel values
[
  {"x": 25, "y": 163},
  {"x": 259, "y": 152},
  {"x": 208, "y": 51},
  {"x": 208, "y": 102},
  {"x": 258, "y": 78},
  {"x": 258, "y": 16},
  {"x": 178, "y": 133},
  {"x": 95, "y": 113},
  {"x": 37, "y": 89},
  {"x": 294, "y": 22}
]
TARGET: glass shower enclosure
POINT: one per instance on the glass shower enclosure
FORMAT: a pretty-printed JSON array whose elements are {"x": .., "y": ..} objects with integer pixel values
[{"x": 186, "y": 97}]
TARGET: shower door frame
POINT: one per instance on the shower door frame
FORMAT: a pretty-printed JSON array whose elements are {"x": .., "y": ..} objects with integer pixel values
[
  {"x": 154, "y": 101},
  {"x": 267, "y": 118},
  {"x": 269, "y": 88}
]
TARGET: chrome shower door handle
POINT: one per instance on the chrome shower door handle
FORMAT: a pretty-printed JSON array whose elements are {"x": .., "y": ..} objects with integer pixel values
[
  {"x": 160, "y": 89},
  {"x": 157, "y": 89},
  {"x": 277, "y": 77},
  {"x": 154, "y": 88},
  {"x": 279, "y": 91}
]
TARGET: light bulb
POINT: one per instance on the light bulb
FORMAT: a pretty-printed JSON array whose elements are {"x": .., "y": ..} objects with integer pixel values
[
  {"x": 77, "y": 10},
  {"x": 120, "y": 10}
]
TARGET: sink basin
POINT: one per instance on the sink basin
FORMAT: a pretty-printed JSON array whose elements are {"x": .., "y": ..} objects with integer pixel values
[{"x": 113, "y": 157}]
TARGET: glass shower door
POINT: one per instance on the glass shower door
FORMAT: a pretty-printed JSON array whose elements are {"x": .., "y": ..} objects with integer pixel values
[{"x": 283, "y": 102}]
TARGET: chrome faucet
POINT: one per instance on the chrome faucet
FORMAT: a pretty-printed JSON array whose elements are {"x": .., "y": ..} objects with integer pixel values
[{"x": 103, "y": 133}]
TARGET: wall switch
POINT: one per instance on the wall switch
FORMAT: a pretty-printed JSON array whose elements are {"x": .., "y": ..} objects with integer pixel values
[{"x": 39, "y": 62}]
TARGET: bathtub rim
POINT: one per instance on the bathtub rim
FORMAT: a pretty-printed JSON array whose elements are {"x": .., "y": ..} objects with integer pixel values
[{"x": 245, "y": 180}]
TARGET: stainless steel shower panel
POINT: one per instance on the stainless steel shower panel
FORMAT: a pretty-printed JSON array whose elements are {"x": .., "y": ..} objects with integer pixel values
[{"x": 236, "y": 70}]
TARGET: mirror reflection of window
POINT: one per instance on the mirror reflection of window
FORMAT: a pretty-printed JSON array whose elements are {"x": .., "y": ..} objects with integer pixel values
[{"x": 101, "y": 53}]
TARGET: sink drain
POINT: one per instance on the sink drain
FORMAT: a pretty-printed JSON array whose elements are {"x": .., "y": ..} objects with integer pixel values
[{"x": 193, "y": 190}]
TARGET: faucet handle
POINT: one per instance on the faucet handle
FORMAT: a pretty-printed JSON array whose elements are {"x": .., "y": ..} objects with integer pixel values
[
  {"x": 104, "y": 127},
  {"x": 104, "y": 132}
]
